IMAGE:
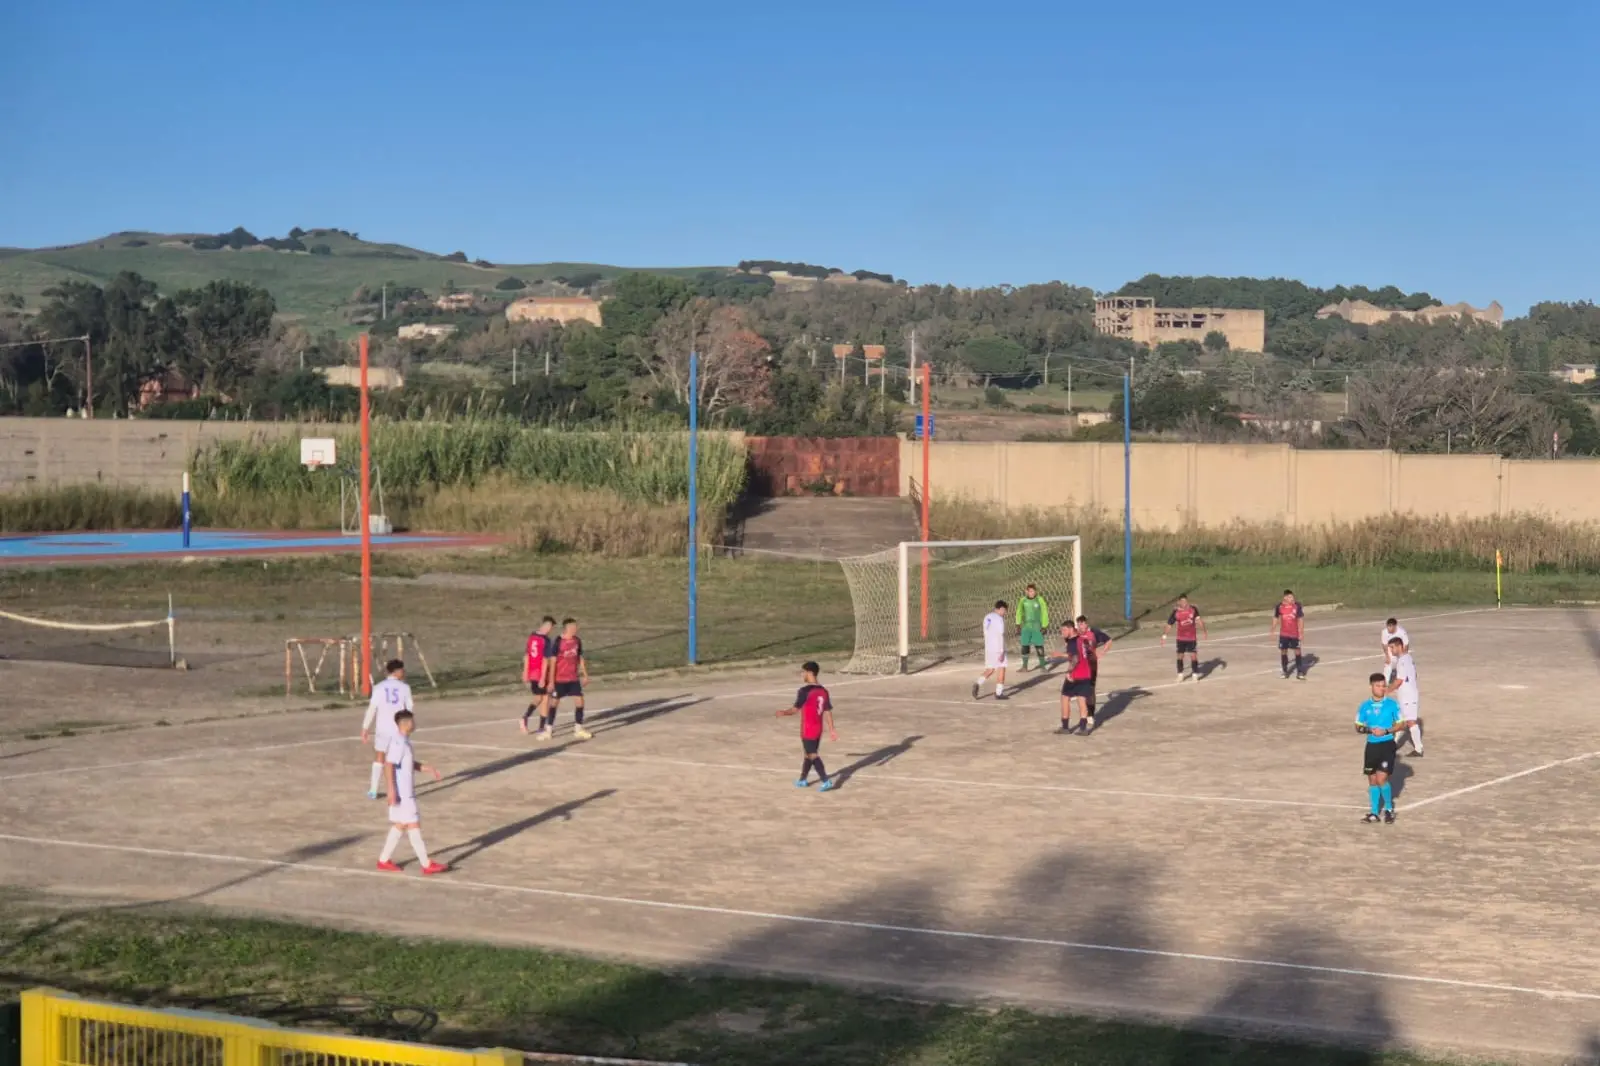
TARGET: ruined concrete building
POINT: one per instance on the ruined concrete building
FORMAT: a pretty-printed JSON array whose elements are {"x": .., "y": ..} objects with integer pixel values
[{"x": 1138, "y": 319}]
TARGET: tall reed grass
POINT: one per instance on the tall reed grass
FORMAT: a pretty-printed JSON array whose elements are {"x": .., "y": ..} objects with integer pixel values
[
  {"x": 260, "y": 482},
  {"x": 92, "y": 506},
  {"x": 1530, "y": 543}
]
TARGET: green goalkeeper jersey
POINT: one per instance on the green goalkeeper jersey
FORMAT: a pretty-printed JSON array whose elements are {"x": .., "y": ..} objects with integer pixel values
[{"x": 1033, "y": 613}]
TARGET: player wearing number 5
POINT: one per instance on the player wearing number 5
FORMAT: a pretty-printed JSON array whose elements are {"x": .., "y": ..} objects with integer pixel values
[
  {"x": 389, "y": 697},
  {"x": 1378, "y": 719}
]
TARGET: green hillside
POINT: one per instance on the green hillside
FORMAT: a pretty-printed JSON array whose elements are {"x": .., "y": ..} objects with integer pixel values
[{"x": 314, "y": 289}]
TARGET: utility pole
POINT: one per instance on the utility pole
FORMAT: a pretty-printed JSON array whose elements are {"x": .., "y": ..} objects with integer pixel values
[
  {"x": 302, "y": 360},
  {"x": 913, "y": 371},
  {"x": 386, "y": 301},
  {"x": 1069, "y": 388},
  {"x": 513, "y": 366},
  {"x": 547, "y": 362},
  {"x": 1046, "y": 371},
  {"x": 88, "y": 378}
]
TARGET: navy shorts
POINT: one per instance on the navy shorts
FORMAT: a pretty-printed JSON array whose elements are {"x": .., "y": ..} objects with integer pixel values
[
  {"x": 1288, "y": 643},
  {"x": 1188, "y": 647},
  {"x": 811, "y": 746},
  {"x": 569, "y": 688}
]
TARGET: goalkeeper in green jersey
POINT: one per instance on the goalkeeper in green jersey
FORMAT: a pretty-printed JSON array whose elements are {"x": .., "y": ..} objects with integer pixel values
[{"x": 1033, "y": 618}]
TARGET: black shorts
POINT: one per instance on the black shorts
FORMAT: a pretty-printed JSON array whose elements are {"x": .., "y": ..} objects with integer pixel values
[
  {"x": 569, "y": 688},
  {"x": 1188, "y": 647},
  {"x": 1288, "y": 643},
  {"x": 1083, "y": 690},
  {"x": 536, "y": 688},
  {"x": 811, "y": 746},
  {"x": 1379, "y": 758}
]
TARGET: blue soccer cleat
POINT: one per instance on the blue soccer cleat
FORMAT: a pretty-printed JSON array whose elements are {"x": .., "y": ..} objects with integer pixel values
[
  {"x": 802, "y": 783},
  {"x": 827, "y": 786}
]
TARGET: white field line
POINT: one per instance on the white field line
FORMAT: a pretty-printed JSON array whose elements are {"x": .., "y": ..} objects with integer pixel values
[
  {"x": 1498, "y": 781},
  {"x": 458, "y": 884},
  {"x": 872, "y": 776}
]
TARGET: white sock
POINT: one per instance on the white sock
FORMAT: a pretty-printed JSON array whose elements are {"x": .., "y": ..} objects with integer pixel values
[
  {"x": 981, "y": 679},
  {"x": 377, "y": 776},
  {"x": 415, "y": 836},
  {"x": 390, "y": 844},
  {"x": 999, "y": 689},
  {"x": 1416, "y": 737}
]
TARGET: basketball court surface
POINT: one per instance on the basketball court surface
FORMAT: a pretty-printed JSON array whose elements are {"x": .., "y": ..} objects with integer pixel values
[
  {"x": 60, "y": 548},
  {"x": 1200, "y": 858}
]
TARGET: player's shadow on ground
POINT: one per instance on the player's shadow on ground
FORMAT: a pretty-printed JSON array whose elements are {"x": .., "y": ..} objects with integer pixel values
[
  {"x": 874, "y": 758},
  {"x": 643, "y": 711},
  {"x": 460, "y": 853},
  {"x": 1308, "y": 662},
  {"x": 492, "y": 767},
  {"x": 1402, "y": 774},
  {"x": 1209, "y": 667},
  {"x": 26, "y": 751},
  {"x": 1117, "y": 703},
  {"x": 1039, "y": 677}
]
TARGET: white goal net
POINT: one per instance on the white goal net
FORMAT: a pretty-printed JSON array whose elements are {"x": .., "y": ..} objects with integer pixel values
[{"x": 924, "y": 602}]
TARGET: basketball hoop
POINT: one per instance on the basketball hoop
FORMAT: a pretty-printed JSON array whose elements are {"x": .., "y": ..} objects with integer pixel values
[{"x": 317, "y": 452}]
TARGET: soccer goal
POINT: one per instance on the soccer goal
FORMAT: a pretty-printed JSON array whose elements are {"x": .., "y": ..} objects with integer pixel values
[{"x": 924, "y": 601}]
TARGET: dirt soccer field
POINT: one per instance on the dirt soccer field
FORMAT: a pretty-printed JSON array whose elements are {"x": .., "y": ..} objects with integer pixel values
[{"x": 1199, "y": 858}]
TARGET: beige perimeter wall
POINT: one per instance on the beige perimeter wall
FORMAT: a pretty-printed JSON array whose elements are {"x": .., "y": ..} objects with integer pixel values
[
  {"x": 1175, "y": 485},
  {"x": 147, "y": 453}
]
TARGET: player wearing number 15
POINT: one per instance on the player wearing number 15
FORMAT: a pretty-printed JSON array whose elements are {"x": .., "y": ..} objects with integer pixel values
[
  {"x": 1378, "y": 719},
  {"x": 389, "y": 697}
]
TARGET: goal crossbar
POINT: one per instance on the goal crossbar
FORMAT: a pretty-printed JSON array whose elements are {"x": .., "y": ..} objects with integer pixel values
[{"x": 922, "y": 548}]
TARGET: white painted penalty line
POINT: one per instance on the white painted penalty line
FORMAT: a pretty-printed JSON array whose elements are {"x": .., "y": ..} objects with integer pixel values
[
  {"x": 234, "y": 753},
  {"x": 1126, "y": 687},
  {"x": 1499, "y": 780},
  {"x": 868, "y": 775},
  {"x": 460, "y": 884}
]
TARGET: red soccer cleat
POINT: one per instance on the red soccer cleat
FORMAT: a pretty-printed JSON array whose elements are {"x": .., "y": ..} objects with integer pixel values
[
  {"x": 389, "y": 867},
  {"x": 435, "y": 868}
]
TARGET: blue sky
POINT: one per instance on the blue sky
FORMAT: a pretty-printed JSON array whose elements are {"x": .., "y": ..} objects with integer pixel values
[{"x": 1447, "y": 147}]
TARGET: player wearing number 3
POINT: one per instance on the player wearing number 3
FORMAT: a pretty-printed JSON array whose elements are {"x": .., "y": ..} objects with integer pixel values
[{"x": 389, "y": 697}]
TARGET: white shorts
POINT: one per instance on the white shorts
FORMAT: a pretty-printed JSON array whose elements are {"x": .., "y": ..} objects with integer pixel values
[
  {"x": 994, "y": 660},
  {"x": 381, "y": 742},
  {"x": 404, "y": 812},
  {"x": 1408, "y": 711}
]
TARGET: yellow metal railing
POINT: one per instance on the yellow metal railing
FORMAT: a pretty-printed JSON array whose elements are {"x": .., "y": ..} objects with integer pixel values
[{"x": 63, "y": 1030}]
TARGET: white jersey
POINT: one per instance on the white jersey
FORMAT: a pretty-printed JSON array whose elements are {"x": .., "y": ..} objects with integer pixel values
[
  {"x": 1405, "y": 672},
  {"x": 1384, "y": 637},
  {"x": 994, "y": 639},
  {"x": 404, "y": 761},
  {"x": 389, "y": 697}
]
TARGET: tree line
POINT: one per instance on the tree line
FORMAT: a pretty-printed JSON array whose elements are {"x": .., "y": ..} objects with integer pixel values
[{"x": 767, "y": 356}]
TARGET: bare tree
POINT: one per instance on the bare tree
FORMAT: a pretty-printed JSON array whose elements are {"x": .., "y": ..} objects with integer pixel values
[
  {"x": 1481, "y": 410},
  {"x": 1394, "y": 408},
  {"x": 734, "y": 368}
]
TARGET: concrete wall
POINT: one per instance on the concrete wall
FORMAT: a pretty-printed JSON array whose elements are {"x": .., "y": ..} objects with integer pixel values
[
  {"x": 148, "y": 453},
  {"x": 1177, "y": 485}
]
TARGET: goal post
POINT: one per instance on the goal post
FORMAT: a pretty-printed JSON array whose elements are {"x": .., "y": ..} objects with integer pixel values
[{"x": 903, "y": 622}]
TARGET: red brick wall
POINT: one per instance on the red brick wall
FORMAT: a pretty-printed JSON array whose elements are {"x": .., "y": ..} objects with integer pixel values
[{"x": 848, "y": 466}]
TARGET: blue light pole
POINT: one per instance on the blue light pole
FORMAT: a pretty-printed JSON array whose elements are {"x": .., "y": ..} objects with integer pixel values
[
  {"x": 186, "y": 509},
  {"x": 694, "y": 478},
  {"x": 1127, "y": 497}
]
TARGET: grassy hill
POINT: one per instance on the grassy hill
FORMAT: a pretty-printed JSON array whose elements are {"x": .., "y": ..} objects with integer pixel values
[{"x": 311, "y": 289}]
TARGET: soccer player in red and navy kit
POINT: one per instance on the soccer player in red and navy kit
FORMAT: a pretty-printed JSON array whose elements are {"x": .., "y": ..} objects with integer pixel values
[
  {"x": 1289, "y": 624},
  {"x": 815, "y": 709},
  {"x": 537, "y": 663},
  {"x": 570, "y": 672},
  {"x": 1085, "y": 645},
  {"x": 1185, "y": 617}
]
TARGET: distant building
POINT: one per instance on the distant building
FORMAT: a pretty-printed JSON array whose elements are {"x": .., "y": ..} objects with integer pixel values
[
  {"x": 554, "y": 309},
  {"x": 1264, "y": 424},
  {"x": 424, "y": 331},
  {"x": 378, "y": 377},
  {"x": 173, "y": 387},
  {"x": 1138, "y": 319},
  {"x": 456, "y": 301},
  {"x": 1575, "y": 373},
  {"x": 1366, "y": 314},
  {"x": 1084, "y": 419}
]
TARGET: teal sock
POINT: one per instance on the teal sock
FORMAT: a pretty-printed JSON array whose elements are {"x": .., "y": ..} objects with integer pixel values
[
  {"x": 1388, "y": 795},
  {"x": 1375, "y": 794}
]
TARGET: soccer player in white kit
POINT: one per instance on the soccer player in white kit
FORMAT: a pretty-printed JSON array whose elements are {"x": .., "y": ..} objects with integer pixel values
[
  {"x": 389, "y": 697},
  {"x": 401, "y": 765},
  {"x": 1391, "y": 629},
  {"x": 994, "y": 651},
  {"x": 1403, "y": 686}
]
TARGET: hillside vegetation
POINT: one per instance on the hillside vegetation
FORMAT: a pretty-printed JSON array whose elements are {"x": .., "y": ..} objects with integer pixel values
[{"x": 317, "y": 290}]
